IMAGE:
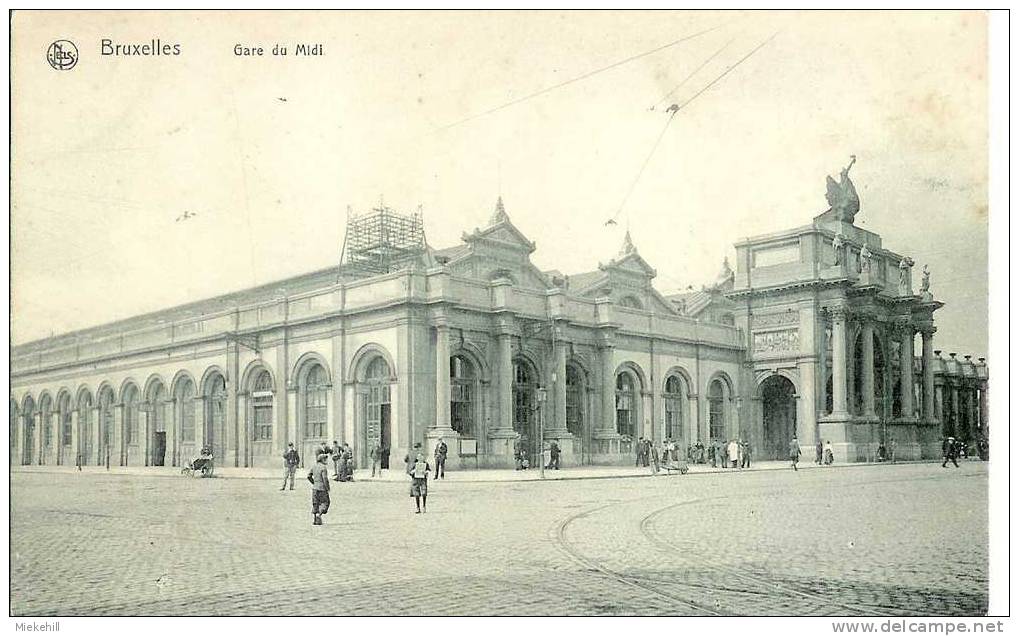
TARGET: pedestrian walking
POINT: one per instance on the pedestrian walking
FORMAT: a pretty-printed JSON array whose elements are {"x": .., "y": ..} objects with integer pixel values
[
  {"x": 829, "y": 456},
  {"x": 376, "y": 457},
  {"x": 290, "y": 462},
  {"x": 891, "y": 449},
  {"x": 518, "y": 453},
  {"x": 653, "y": 452},
  {"x": 347, "y": 462},
  {"x": 950, "y": 451},
  {"x": 440, "y": 459},
  {"x": 819, "y": 453},
  {"x": 794, "y": 452},
  {"x": 419, "y": 483},
  {"x": 734, "y": 453},
  {"x": 745, "y": 454},
  {"x": 553, "y": 456},
  {"x": 319, "y": 478},
  {"x": 640, "y": 451}
]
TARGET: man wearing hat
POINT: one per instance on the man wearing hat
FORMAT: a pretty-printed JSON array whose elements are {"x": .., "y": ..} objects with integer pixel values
[
  {"x": 290, "y": 461},
  {"x": 949, "y": 450},
  {"x": 319, "y": 478}
]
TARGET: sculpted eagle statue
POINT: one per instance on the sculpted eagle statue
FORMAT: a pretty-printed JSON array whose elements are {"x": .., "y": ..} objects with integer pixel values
[{"x": 841, "y": 195}]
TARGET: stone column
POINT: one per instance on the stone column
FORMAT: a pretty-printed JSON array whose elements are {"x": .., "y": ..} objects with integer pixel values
[
  {"x": 868, "y": 369},
  {"x": 506, "y": 382},
  {"x": 957, "y": 423},
  {"x": 442, "y": 427},
  {"x": 906, "y": 371},
  {"x": 40, "y": 435},
  {"x": 608, "y": 389},
  {"x": 983, "y": 409},
  {"x": 838, "y": 355},
  {"x": 117, "y": 445},
  {"x": 145, "y": 430},
  {"x": 928, "y": 372},
  {"x": 442, "y": 394},
  {"x": 170, "y": 420},
  {"x": 558, "y": 422},
  {"x": 75, "y": 457},
  {"x": 99, "y": 456}
]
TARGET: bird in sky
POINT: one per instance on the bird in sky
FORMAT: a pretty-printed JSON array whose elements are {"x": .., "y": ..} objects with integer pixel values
[
  {"x": 610, "y": 222},
  {"x": 282, "y": 99},
  {"x": 187, "y": 215}
]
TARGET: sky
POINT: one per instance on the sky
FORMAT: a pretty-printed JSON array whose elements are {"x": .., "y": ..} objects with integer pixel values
[{"x": 268, "y": 152}]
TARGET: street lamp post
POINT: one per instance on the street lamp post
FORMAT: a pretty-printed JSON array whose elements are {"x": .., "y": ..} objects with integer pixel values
[{"x": 541, "y": 395}]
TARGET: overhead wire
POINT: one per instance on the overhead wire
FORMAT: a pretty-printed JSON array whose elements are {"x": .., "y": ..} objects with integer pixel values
[
  {"x": 673, "y": 110},
  {"x": 548, "y": 89}
]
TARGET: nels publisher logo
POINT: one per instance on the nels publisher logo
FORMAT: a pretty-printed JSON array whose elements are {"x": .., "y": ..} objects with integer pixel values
[{"x": 62, "y": 55}]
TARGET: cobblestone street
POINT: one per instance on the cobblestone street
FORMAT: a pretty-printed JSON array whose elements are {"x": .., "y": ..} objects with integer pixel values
[{"x": 845, "y": 541}]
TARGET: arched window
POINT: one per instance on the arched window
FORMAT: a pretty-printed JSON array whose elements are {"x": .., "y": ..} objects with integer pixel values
[
  {"x": 626, "y": 396},
  {"x": 523, "y": 396},
  {"x": 674, "y": 408},
  {"x": 716, "y": 410},
  {"x": 186, "y": 406},
  {"x": 64, "y": 407},
  {"x": 574, "y": 401},
  {"x": 631, "y": 301},
  {"x": 316, "y": 392},
  {"x": 261, "y": 407},
  {"x": 462, "y": 395},
  {"x": 131, "y": 416},
  {"x": 105, "y": 423}
]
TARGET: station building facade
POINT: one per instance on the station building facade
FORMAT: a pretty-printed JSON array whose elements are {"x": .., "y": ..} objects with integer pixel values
[{"x": 476, "y": 346}]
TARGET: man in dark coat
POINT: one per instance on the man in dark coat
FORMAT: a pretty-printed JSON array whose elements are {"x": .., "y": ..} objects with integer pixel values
[
  {"x": 950, "y": 451},
  {"x": 440, "y": 459},
  {"x": 794, "y": 452},
  {"x": 553, "y": 456},
  {"x": 319, "y": 478},
  {"x": 290, "y": 461}
]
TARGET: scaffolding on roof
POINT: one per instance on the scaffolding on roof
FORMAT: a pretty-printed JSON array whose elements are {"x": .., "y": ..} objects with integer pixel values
[{"x": 381, "y": 241}]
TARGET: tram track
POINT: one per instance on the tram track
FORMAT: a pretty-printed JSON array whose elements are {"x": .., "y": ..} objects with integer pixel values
[
  {"x": 563, "y": 543},
  {"x": 766, "y": 586}
]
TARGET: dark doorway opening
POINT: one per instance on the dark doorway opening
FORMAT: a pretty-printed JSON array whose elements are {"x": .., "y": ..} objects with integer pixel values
[
  {"x": 159, "y": 448},
  {"x": 778, "y": 399}
]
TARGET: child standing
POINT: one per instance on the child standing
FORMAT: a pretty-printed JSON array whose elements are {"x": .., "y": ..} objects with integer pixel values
[{"x": 419, "y": 483}]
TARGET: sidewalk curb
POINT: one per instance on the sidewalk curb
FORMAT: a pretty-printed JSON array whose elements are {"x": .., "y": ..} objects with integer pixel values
[{"x": 141, "y": 471}]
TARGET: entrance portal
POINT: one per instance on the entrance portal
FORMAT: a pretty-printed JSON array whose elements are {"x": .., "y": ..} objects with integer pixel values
[{"x": 778, "y": 401}]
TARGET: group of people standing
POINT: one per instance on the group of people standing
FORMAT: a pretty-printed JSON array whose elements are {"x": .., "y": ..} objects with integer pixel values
[{"x": 823, "y": 455}]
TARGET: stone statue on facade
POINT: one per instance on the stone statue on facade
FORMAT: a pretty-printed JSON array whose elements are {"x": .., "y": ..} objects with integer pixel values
[
  {"x": 904, "y": 266},
  {"x": 837, "y": 244},
  {"x": 841, "y": 195},
  {"x": 865, "y": 255},
  {"x": 925, "y": 282}
]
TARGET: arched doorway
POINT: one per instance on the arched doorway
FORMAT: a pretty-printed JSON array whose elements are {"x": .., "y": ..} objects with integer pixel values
[
  {"x": 28, "y": 437},
  {"x": 463, "y": 399},
  {"x": 778, "y": 404},
  {"x": 85, "y": 434},
  {"x": 214, "y": 431},
  {"x": 65, "y": 454},
  {"x": 106, "y": 401},
  {"x": 261, "y": 394},
  {"x": 525, "y": 381},
  {"x": 13, "y": 430},
  {"x": 575, "y": 411},
  {"x": 376, "y": 410},
  {"x": 46, "y": 422},
  {"x": 157, "y": 406}
]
